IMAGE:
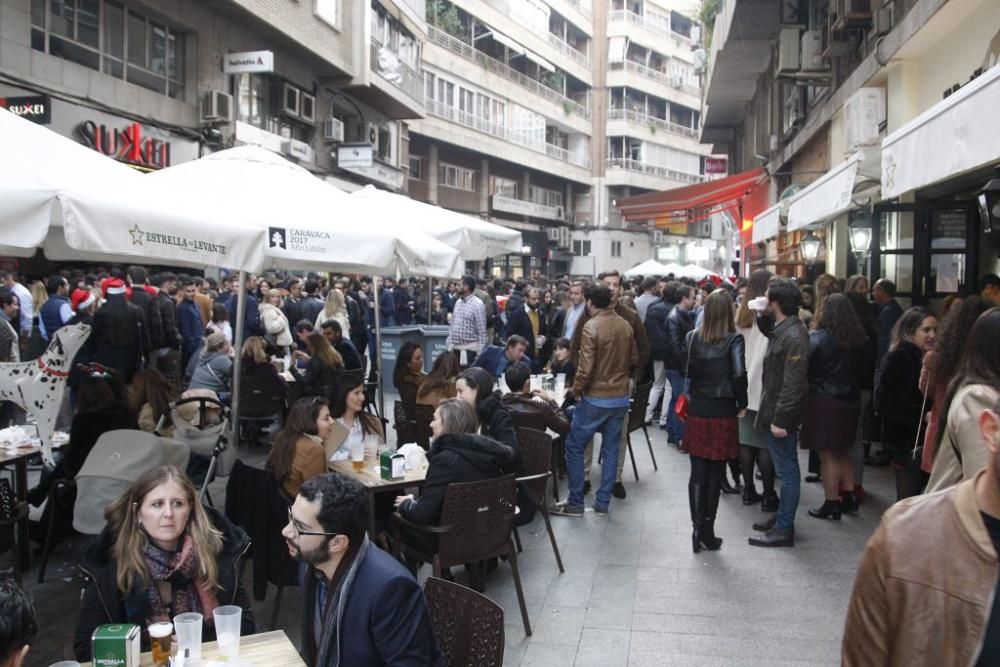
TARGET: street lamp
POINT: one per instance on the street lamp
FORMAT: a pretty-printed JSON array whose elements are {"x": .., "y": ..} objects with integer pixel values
[
  {"x": 809, "y": 247},
  {"x": 861, "y": 241},
  {"x": 989, "y": 203},
  {"x": 526, "y": 250}
]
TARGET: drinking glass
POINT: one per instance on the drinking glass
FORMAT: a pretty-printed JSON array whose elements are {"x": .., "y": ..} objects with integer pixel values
[
  {"x": 358, "y": 455},
  {"x": 188, "y": 629},
  {"x": 160, "y": 639},
  {"x": 227, "y": 630}
]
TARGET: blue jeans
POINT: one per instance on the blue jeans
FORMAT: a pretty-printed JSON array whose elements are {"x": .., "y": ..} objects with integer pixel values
[
  {"x": 589, "y": 419},
  {"x": 675, "y": 427},
  {"x": 786, "y": 465}
]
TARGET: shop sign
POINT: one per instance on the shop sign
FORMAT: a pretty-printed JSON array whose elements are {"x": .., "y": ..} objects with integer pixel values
[
  {"x": 302, "y": 241},
  {"x": 36, "y": 108},
  {"x": 299, "y": 150},
  {"x": 125, "y": 145},
  {"x": 528, "y": 208},
  {"x": 248, "y": 61},
  {"x": 351, "y": 156},
  {"x": 715, "y": 165}
]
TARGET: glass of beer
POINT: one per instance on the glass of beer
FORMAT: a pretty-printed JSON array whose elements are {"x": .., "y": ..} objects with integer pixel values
[
  {"x": 160, "y": 639},
  {"x": 358, "y": 455}
]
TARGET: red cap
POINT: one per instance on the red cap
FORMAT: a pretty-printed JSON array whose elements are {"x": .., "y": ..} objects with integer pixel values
[
  {"x": 81, "y": 298},
  {"x": 114, "y": 286}
]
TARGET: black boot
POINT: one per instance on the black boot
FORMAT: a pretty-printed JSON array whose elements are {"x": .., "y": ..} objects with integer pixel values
[
  {"x": 750, "y": 495},
  {"x": 848, "y": 503},
  {"x": 696, "y": 496},
  {"x": 707, "y": 537},
  {"x": 769, "y": 503},
  {"x": 726, "y": 487},
  {"x": 829, "y": 510}
]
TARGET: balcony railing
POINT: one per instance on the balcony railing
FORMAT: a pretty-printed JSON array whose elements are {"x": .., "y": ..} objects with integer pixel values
[
  {"x": 526, "y": 139},
  {"x": 652, "y": 169},
  {"x": 408, "y": 80},
  {"x": 659, "y": 76},
  {"x": 567, "y": 49},
  {"x": 457, "y": 46},
  {"x": 660, "y": 26},
  {"x": 651, "y": 122}
]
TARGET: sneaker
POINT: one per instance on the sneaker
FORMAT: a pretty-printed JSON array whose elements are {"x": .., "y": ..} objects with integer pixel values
[
  {"x": 565, "y": 509},
  {"x": 600, "y": 510},
  {"x": 618, "y": 491}
]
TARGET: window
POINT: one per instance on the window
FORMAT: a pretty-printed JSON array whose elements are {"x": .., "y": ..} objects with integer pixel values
[
  {"x": 416, "y": 168},
  {"x": 459, "y": 178},
  {"x": 506, "y": 187},
  {"x": 545, "y": 196},
  {"x": 616, "y": 248},
  {"x": 383, "y": 150},
  {"x": 326, "y": 11},
  {"x": 581, "y": 248},
  {"x": 133, "y": 47},
  {"x": 263, "y": 101}
]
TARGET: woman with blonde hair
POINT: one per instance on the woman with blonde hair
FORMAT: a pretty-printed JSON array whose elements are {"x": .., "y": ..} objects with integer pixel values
[
  {"x": 162, "y": 553},
  {"x": 274, "y": 320},
  {"x": 334, "y": 309},
  {"x": 717, "y": 373}
]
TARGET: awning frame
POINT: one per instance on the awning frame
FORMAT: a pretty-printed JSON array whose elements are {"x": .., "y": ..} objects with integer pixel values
[
  {"x": 830, "y": 195},
  {"x": 718, "y": 194},
  {"x": 767, "y": 224}
]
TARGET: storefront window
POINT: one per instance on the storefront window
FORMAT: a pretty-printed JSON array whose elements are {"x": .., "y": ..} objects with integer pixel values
[
  {"x": 135, "y": 49},
  {"x": 898, "y": 269},
  {"x": 896, "y": 231}
]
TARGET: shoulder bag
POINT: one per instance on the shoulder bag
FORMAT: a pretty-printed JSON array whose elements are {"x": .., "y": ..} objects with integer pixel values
[{"x": 681, "y": 404}]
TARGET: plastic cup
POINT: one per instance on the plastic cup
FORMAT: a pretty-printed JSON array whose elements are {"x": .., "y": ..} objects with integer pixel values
[
  {"x": 358, "y": 455},
  {"x": 188, "y": 629},
  {"x": 65, "y": 663},
  {"x": 227, "y": 630}
]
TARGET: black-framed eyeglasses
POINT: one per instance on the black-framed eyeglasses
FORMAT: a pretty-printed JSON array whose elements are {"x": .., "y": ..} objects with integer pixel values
[{"x": 299, "y": 532}]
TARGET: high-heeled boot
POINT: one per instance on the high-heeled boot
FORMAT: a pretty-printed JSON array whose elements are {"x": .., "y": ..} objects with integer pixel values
[
  {"x": 695, "y": 502},
  {"x": 706, "y": 535},
  {"x": 848, "y": 503}
]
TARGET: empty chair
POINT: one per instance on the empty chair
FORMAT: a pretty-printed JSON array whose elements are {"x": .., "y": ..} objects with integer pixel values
[
  {"x": 477, "y": 520},
  {"x": 263, "y": 399},
  {"x": 423, "y": 415},
  {"x": 636, "y": 421},
  {"x": 468, "y": 626},
  {"x": 404, "y": 423},
  {"x": 536, "y": 457}
]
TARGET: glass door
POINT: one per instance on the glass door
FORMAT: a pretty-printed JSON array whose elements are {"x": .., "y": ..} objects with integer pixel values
[
  {"x": 950, "y": 258},
  {"x": 894, "y": 244}
]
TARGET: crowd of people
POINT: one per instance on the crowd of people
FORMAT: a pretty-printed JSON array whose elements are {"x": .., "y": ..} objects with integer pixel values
[{"x": 739, "y": 374}]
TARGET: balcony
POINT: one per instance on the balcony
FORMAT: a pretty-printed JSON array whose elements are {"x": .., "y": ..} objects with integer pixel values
[
  {"x": 567, "y": 49},
  {"x": 656, "y": 75},
  {"x": 458, "y": 47},
  {"x": 651, "y": 122},
  {"x": 659, "y": 26},
  {"x": 396, "y": 72},
  {"x": 525, "y": 139},
  {"x": 652, "y": 169},
  {"x": 419, "y": 7}
]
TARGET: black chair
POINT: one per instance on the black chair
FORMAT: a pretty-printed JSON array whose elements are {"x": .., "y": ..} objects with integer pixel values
[
  {"x": 8, "y": 537},
  {"x": 58, "y": 506},
  {"x": 468, "y": 626},
  {"x": 404, "y": 423},
  {"x": 476, "y": 525},
  {"x": 422, "y": 415},
  {"x": 536, "y": 459},
  {"x": 263, "y": 399},
  {"x": 536, "y": 422},
  {"x": 636, "y": 421}
]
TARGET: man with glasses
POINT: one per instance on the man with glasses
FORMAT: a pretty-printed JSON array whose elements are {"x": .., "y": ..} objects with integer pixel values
[{"x": 361, "y": 606}]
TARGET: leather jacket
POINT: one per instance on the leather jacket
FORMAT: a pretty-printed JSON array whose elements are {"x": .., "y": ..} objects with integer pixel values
[
  {"x": 679, "y": 323},
  {"x": 608, "y": 356},
  {"x": 656, "y": 328},
  {"x": 834, "y": 372},
  {"x": 529, "y": 411},
  {"x": 786, "y": 381},
  {"x": 920, "y": 601},
  {"x": 717, "y": 371},
  {"x": 638, "y": 331}
]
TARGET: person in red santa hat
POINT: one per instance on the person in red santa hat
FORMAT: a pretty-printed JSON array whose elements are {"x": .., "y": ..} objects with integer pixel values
[{"x": 120, "y": 335}]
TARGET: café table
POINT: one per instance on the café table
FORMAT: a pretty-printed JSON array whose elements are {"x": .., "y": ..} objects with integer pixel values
[
  {"x": 18, "y": 459},
  {"x": 370, "y": 478},
  {"x": 272, "y": 649}
]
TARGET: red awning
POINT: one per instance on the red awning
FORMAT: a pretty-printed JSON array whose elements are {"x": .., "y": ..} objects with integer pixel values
[{"x": 678, "y": 205}]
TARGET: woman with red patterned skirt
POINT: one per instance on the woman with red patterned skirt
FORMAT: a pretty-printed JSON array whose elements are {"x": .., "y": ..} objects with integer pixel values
[{"x": 717, "y": 397}]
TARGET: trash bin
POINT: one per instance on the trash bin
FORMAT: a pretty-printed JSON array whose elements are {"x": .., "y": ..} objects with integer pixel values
[
  {"x": 393, "y": 339},
  {"x": 435, "y": 342}
]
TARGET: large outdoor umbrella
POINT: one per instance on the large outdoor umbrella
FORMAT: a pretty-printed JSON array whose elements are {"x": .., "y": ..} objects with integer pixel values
[
  {"x": 76, "y": 204},
  {"x": 648, "y": 268},
  {"x": 476, "y": 239}
]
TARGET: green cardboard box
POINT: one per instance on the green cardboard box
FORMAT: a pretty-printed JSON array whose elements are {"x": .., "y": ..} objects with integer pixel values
[{"x": 115, "y": 645}]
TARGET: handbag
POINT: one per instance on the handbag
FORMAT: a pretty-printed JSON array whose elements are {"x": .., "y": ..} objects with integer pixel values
[{"x": 681, "y": 404}]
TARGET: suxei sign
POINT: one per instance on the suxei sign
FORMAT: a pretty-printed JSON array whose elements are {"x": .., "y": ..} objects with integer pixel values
[
  {"x": 127, "y": 145},
  {"x": 36, "y": 108}
]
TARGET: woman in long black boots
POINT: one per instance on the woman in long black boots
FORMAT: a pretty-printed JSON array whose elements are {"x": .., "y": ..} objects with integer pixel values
[{"x": 716, "y": 368}]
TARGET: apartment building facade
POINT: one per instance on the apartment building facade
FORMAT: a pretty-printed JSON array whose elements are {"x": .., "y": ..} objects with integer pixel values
[{"x": 873, "y": 122}]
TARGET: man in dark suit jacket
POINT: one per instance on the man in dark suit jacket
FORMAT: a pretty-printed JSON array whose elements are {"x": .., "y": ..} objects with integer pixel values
[
  {"x": 372, "y": 609},
  {"x": 496, "y": 359}
]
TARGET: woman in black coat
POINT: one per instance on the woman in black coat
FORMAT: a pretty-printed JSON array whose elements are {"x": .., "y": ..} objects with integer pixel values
[
  {"x": 322, "y": 366},
  {"x": 898, "y": 399},
  {"x": 456, "y": 455},
  {"x": 475, "y": 387}
]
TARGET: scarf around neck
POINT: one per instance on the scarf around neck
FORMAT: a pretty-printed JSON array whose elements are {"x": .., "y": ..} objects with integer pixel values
[
  {"x": 329, "y": 648},
  {"x": 179, "y": 569}
]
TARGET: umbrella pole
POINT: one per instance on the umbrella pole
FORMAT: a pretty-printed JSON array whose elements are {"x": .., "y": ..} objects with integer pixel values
[
  {"x": 377, "y": 361},
  {"x": 430, "y": 301},
  {"x": 234, "y": 412}
]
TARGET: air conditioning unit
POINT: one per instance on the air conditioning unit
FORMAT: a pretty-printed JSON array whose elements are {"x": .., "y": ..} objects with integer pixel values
[
  {"x": 789, "y": 50},
  {"x": 883, "y": 19},
  {"x": 864, "y": 113},
  {"x": 853, "y": 14},
  {"x": 307, "y": 107},
  {"x": 812, "y": 47},
  {"x": 333, "y": 130},
  {"x": 364, "y": 133},
  {"x": 215, "y": 106},
  {"x": 290, "y": 101}
]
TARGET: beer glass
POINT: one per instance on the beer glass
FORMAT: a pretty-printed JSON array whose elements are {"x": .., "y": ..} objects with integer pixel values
[{"x": 160, "y": 639}]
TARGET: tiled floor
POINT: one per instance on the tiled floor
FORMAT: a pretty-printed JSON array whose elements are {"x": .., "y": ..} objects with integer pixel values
[{"x": 633, "y": 593}]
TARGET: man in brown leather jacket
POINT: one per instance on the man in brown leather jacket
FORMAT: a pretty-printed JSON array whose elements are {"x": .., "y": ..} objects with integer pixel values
[
  {"x": 531, "y": 409},
  {"x": 613, "y": 281},
  {"x": 926, "y": 589},
  {"x": 608, "y": 359}
]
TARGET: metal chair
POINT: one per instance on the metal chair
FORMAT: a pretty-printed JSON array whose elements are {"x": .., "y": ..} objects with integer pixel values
[
  {"x": 477, "y": 520},
  {"x": 422, "y": 415},
  {"x": 536, "y": 457},
  {"x": 403, "y": 423},
  {"x": 537, "y": 423},
  {"x": 467, "y": 625},
  {"x": 8, "y": 538},
  {"x": 60, "y": 500},
  {"x": 636, "y": 421}
]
